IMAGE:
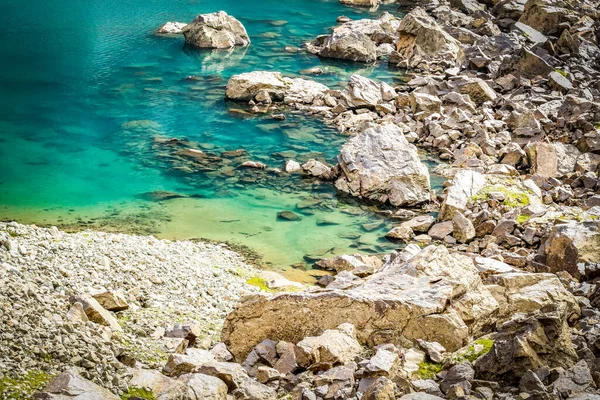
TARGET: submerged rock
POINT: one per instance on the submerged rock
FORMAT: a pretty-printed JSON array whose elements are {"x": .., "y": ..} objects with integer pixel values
[
  {"x": 379, "y": 164},
  {"x": 216, "y": 30}
]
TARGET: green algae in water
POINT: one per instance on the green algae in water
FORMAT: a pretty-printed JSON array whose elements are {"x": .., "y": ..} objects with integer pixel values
[{"x": 23, "y": 387}]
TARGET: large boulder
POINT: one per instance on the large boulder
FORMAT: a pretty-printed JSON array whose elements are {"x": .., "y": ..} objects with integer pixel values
[
  {"x": 545, "y": 16},
  {"x": 247, "y": 85},
  {"x": 422, "y": 41},
  {"x": 358, "y": 40},
  {"x": 71, "y": 386},
  {"x": 379, "y": 164},
  {"x": 465, "y": 185},
  {"x": 434, "y": 296},
  {"x": 574, "y": 247},
  {"x": 363, "y": 92},
  {"x": 528, "y": 342},
  {"x": 216, "y": 31}
]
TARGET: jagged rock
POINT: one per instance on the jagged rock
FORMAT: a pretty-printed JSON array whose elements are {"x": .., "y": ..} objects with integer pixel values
[
  {"x": 111, "y": 300},
  {"x": 204, "y": 387},
  {"x": 385, "y": 362},
  {"x": 364, "y": 92},
  {"x": 338, "y": 381},
  {"x": 558, "y": 81},
  {"x": 216, "y": 30},
  {"x": 359, "y": 265},
  {"x": 251, "y": 390},
  {"x": 422, "y": 41},
  {"x": 96, "y": 313},
  {"x": 463, "y": 229},
  {"x": 76, "y": 314},
  {"x": 415, "y": 306},
  {"x": 465, "y": 185},
  {"x": 542, "y": 159},
  {"x": 379, "y": 164},
  {"x": 528, "y": 342},
  {"x": 458, "y": 375},
  {"x": 357, "y": 40},
  {"x": 70, "y": 385},
  {"x": 441, "y": 230},
  {"x": 292, "y": 166},
  {"x": 401, "y": 232},
  {"x": 318, "y": 169},
  {"x": 161, "y": 386},
  {"x": 531, "y": 65},
  {"x": 247, "y": 85},
  {"x": 573, "y": 247},
  {"x": 420, "y": 224},
  {"x": 533, "y": 35},
  {"x": 478, "y": 90},
  {"x": 424, "y": 102},
  {"x": 179, "y": 364},
  {"x": 381, "y": 389},
  {"x": 544, "y": 16},
  {"x": 334, "y": 346},
  {"x": 420, "y": 396},
  {"x": 509, "y": 9},
  {"x": 468, "y": 6},
  {"x": 567, "y": 156},
  {"x": 434, "y": 350},
  {"x": 171, "y": 28}
]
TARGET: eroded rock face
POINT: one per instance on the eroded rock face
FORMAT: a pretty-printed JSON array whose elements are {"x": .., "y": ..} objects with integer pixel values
[
  {"x": 435, "y": 296},
  {"x": 248, "y": 85},
  {"x": 215, "y": 30},
  {"x": 575, "y": 248},
  {"x": 379, "y": 164},
  {"x": 422, "y": 41}
]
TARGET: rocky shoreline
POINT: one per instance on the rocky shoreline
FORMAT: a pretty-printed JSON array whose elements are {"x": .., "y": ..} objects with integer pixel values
[{"x": 494, "y": 296}]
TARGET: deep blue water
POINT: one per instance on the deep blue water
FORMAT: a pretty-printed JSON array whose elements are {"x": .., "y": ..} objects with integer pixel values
[{"x": 87, "y": 89}]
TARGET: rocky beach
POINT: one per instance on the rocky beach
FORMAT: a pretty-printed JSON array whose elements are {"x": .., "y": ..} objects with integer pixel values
[{"x": 485, "y": 286}]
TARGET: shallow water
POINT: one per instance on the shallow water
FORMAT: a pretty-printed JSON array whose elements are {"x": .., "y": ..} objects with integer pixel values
[{"x": 89, "y": 99}]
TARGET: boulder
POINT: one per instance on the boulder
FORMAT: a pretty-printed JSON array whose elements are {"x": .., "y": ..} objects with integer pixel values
[
  {"x": 465, "y": 185},
  {"x": 573, "y": 247},
  {"x": 422, "y": 41},
  {"x": 248, "y": 85},
  {"x": 318, "y": 169},
  {"x": 161, "y": 386},
  {"x": 478, "y": 90},
  {"x": 71, "y": 386},
  {"x": 463, "y": 229},
  {"x": 360, "y": 265},
  {"x": 334, "y": 347},
  {"x": 215, "y": 30},
  {"x": 171, "y": 28},
  {"x": 531, "y": 65},
  {"x": 528, "y": 342},
  {"x": 435, "y": 296},
  {"x": 363, "y": 92},
  {"x": 357, "y": 40},
  {"x": 112, "y": 300},
  {"x": 204, "y": 387},
  {"x": 379, "y": 164},
  {"x": 96, "y": 313},
  {"x": 425, "y": 103},
  {"x": 544, "y": 16},
  {"x": 542, "y": 159}
]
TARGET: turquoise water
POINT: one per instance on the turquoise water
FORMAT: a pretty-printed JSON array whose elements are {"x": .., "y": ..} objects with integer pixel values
[{"x": 89, "y": 98}]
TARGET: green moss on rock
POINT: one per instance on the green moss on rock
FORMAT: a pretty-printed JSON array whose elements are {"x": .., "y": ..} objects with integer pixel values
[
  {"x": 139, "y": 393},
  {"x": 521, "y": 219},
  {"x": 428, "y": 369},
  {"x": 474, "y": 351},
  {"x": 513, "y": 196},
  {"x": 23, "y": 387},
  {"x": 259, "y": 283}
]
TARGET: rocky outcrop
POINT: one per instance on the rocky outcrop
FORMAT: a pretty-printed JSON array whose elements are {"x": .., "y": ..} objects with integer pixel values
[
  {"x": 379, "y": 164},
  {"x": 216, "y": 31},
  {"x": 274, "y": 86},
  {"x": 423, "y": 44},
  {"x": 363, "y": 40},
  {"x": 435, "y": 296}
]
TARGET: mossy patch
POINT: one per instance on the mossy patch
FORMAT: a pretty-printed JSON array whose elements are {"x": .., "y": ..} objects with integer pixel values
[
  {"x": 139, "y": 393},
  {"x": 428, "y": 369},
  {"x": 563, "y": 73},
  {"x": 521, "y": 219},
  {"x": 259, "y": 283},
  {"x": 513, "y": 197},
  {"x": 474, "y": 351},
  {"x": 23, "y": 387}
]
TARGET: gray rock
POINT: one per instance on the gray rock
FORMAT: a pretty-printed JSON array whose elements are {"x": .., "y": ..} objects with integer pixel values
[{"x": 216, "y": 30}]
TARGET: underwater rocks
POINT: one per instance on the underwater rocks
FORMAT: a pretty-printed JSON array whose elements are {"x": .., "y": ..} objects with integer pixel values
[
  {"x": 379, "y": 164},
  {"x": 273, "y": 86},
  {"x": 216, "y": 30}
]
